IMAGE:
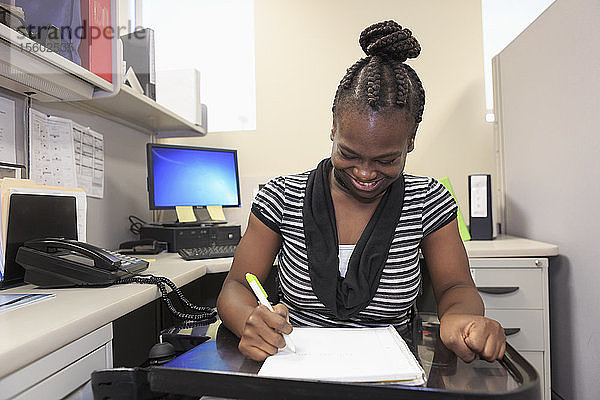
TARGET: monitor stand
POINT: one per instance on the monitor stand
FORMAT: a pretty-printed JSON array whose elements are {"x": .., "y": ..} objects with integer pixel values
[
  {"x": 196, "y": 224},
  {"x": 187, "y": 218}
]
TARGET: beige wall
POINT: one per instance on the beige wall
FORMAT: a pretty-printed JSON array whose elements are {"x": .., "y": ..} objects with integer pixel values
[{"x": 302, "y": 51}]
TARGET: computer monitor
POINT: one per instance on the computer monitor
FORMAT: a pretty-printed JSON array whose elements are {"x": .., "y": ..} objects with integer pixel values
[{"x": 192, "y": 176}]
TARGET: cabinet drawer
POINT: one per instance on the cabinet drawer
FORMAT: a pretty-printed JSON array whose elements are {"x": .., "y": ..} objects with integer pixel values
[
  {"x": 70, "y": 378},
  {"x": 535, "y": 358},
  {"x": 530, "y": 325},
  {"x": 509, "y": 287}
]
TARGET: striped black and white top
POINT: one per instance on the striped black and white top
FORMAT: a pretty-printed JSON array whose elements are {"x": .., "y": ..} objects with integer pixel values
[{"x": 427, "y": 207}]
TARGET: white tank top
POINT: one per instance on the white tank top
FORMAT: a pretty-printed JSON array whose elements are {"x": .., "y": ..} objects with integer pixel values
[{"x": 344, "y": 256}]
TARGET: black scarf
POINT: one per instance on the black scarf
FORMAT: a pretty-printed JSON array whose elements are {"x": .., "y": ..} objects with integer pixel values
[{"x": 346, "y": 297}]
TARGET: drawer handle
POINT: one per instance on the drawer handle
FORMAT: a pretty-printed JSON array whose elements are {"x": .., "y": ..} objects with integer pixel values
[
  {"x": 511, "y": 331},
  {"x": 497, "y": 289}
]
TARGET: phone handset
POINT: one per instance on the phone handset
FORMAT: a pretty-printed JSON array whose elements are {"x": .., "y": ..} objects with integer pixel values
[{"x": 101, "y": 258}]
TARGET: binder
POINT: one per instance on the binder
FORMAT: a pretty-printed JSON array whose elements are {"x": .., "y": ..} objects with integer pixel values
[
  {"x": 481, "y": 224},
  {"x": 35, "y": 216},
  {"x": 95, "y": 48},
  {"x": 138, "y": 53},
  {"x": 10, "y": 186}
]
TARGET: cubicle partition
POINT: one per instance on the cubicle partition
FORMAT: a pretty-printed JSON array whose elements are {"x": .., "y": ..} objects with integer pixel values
[{"x": 125, "y": 169}]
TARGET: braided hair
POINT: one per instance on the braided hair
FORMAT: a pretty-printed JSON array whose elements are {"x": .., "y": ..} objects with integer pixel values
[{"x": 382, "y": 81}]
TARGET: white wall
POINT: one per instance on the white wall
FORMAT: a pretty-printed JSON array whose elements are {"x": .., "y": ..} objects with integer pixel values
[
  {"x": 302, "y": 51},
  {"x": 550, "y": 80}
]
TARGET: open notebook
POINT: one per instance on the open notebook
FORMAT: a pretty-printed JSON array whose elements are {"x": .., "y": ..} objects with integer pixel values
[{"x": 347, "y": 355}]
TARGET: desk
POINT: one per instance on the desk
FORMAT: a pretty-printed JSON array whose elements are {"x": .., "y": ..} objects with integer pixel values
[
  {"x": 53, "y": 345},
  {"x": 217, "y": 368}
]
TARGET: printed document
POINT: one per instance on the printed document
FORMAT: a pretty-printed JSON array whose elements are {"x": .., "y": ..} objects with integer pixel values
[
  {"x": 89, "y": 160},
  {"x": 51, "y": 153},
  {"x": 347, "y": 355},
  {"x": 8, "y": 151}
]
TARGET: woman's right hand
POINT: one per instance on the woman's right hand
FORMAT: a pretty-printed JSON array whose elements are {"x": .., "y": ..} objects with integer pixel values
[{"x": 262, "y": 335}]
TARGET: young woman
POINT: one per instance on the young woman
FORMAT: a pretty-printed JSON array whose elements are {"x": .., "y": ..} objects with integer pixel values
[{"x": 348, "y": 233}]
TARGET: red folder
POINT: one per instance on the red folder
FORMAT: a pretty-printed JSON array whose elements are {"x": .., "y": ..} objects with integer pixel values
[{"x": 95, "y": 49}]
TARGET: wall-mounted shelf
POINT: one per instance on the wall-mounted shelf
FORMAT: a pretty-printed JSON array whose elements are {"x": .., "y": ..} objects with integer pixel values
[
  {"x": 48, "y": 77},
  {"x": 28, "y": 67},
  {"x": 145, "y": 113}
]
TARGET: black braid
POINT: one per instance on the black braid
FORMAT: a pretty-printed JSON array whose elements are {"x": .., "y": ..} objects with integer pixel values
[
  {"x": 420, "y": 102},
  {"x": 373, "y": 81},
  {"x": 346, "y": 81},
  {"x": 382, "y": 80},
  {"x": 401, "y": 81}
]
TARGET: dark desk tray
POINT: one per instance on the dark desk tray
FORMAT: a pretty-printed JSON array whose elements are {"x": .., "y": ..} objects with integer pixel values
[
  {"x": 193, "y": 382},
  {"x": 217, "y": 368}
]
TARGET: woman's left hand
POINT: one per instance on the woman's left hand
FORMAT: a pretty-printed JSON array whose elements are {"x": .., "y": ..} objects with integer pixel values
[{"x": 468, "y": 335}]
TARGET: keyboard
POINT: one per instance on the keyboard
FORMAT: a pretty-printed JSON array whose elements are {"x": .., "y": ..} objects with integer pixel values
[{"x": 201, "y": 253}]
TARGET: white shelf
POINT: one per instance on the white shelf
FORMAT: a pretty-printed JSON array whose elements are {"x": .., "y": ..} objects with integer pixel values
[
  {"x": 47, "y": 76},
  {"x": 145, "y": 113}
]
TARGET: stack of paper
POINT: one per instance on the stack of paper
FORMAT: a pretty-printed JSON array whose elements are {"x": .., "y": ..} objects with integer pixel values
[{"x": 347, "y": 355}]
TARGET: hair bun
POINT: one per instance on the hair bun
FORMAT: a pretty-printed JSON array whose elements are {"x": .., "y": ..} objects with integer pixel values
[{"x": 389, "y": 39}]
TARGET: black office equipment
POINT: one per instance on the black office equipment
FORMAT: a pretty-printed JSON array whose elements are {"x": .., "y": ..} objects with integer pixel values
[
  {"x": 143, "y": 246},
  {"x": 481, "y": 223},
  {"x": 54, "y": 262},
  {"x": 187, "y": 335},
  {"x": 202, "y": 253},
  {"x": 33, "y": 216},
  {"x": 138, "y": 53},
  {"x": 184, "y": 237},
  {"x": 161, "y": 353}
]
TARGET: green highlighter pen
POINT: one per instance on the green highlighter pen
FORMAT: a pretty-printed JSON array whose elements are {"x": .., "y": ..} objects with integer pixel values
[{"x": 261, "y": 295}]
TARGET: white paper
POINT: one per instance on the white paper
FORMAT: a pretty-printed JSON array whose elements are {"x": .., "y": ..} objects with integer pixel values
[
  {"x": 52, "y": 158},
  {"x": 8, "y": 152},
  {"x": 89, "y": 160},
  {"x": 80, "y": 202},
  {"x": 25, "y": 298},
  {"x": 479, "y": 196},
  {"x": 347, "y": 355}
]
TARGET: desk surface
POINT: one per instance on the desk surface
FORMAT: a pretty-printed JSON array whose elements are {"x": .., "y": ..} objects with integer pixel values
[
  {"x": 34, "y": 330},
  {"x": 217, "y": 368},
  {"x": 510, "y": 246}
]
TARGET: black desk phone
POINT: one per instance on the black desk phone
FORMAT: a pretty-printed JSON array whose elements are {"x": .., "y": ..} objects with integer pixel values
[{"x": 59, "y": 262}]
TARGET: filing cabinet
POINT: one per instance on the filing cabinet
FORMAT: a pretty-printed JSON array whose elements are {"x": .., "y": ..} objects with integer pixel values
[{"x": 515, "y": 293}]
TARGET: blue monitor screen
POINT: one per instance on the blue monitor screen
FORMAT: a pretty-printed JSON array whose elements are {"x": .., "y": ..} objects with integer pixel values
[{"x": 192, "y": 176}]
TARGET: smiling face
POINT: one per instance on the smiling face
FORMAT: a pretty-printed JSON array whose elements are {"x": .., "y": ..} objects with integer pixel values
[{"x": 369, "y": 151}]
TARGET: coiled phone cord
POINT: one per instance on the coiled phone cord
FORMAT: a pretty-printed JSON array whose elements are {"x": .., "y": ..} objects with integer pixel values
[{"x": 204, "y": 314}]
